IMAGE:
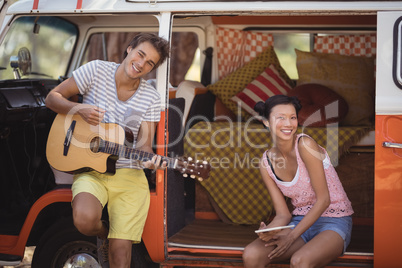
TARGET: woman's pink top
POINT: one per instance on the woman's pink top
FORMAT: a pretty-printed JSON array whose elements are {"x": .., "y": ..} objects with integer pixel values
[{"x": 302, "y": 193}]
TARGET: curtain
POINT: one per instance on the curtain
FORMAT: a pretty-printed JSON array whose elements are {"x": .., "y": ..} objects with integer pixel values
[{"x": 237, "y": 47}]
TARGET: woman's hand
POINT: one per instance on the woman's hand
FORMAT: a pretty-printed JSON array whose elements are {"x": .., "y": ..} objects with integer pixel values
[
  {"x": 267, "y": 236},
  {"x": 281, "y": 244}
]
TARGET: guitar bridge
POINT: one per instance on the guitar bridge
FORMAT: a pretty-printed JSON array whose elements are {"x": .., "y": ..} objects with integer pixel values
[{"x": 69, "y": 136}]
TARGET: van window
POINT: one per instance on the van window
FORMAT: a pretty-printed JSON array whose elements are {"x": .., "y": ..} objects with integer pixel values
[
  {"x": 397, "y": 56},
  {"x": 184, "y": 60},
  {"x": 285, "y": 45},
  {"x": 43, "y": 45},
  {"x": 194, "y": 72}
]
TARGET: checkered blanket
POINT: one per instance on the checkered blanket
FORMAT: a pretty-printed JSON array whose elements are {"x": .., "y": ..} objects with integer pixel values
[{"x": 234, "y": 150}]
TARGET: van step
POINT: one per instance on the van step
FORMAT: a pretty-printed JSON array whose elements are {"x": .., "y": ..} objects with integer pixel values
[
  {"x": 9, "y": 260},
  {"x": 209, "y": 241}
]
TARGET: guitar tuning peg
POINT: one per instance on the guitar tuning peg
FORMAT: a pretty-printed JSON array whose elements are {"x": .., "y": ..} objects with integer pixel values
[
  {"x": 200, "y": 179},
  {"x": 192, "y": 176},
  {"x": 204, "y": 162},
  {"x": 190, "y": 159},
  {"x": 185, "y": 175}
]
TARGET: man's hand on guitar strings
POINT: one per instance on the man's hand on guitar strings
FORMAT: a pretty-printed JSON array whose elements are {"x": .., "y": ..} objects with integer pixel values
[{"x": 155, "y": 163}]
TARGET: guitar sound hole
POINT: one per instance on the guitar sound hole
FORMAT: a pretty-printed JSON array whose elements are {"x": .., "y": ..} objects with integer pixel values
[{"x": 94, "y": 144}]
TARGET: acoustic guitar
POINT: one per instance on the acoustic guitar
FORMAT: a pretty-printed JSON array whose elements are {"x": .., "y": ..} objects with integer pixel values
[{"x": 74, "y": 145}]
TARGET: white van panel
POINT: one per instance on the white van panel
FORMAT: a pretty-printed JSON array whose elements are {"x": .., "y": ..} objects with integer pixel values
[
  {"x": 388, "y": 95},
  {"x": 282, "y": 7}
]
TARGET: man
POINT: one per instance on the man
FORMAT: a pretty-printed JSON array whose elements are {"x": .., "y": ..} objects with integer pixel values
[{"x": 116, "y": 93}]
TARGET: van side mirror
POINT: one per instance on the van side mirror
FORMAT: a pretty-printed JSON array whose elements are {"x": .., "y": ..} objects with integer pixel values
[{"x": 22, "y": 63}]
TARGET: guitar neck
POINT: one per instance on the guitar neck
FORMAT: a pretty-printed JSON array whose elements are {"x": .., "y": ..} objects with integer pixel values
[{"x": 130, "y": 153}]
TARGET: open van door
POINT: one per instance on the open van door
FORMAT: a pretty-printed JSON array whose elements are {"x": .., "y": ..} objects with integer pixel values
[{"x": 388, "y": 144}]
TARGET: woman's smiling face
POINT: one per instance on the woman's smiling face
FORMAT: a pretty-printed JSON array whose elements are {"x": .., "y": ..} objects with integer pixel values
[{"x": 283, "y": 121}]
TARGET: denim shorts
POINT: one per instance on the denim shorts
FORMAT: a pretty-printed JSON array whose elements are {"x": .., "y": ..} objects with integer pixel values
[{"x": 342, "y": 225}]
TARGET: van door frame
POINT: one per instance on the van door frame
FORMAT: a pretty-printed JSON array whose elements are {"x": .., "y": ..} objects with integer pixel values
[{"x": 155, "y": 230}]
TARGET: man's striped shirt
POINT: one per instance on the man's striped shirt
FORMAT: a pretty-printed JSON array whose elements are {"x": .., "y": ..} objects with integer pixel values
[{"x": 96, "y": 82}]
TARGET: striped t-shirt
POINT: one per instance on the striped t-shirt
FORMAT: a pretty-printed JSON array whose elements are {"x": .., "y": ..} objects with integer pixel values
[{"x": 96, "y": 82}]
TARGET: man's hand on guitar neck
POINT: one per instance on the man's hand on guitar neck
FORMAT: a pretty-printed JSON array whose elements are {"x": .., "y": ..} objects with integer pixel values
[
  {"x": 155, "y": 163},
  {"x": 91, "y": 114}
]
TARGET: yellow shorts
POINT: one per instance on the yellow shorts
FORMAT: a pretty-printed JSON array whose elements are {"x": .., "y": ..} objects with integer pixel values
[{"x": 127, "y": 195}]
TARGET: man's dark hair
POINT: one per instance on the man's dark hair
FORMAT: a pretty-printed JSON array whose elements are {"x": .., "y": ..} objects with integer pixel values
[{"x": 160, "y": 44}]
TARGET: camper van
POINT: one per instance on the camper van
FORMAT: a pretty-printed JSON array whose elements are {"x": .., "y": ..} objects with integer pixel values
[{"x": 342, "y": 59}]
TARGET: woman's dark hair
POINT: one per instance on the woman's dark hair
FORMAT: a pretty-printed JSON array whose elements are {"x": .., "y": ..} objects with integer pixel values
[
  {"x": 264, "y": 108},
  {"x": 160, "y": 44}
]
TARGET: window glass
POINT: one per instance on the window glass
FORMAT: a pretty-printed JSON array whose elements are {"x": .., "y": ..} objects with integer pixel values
[
  {"x": 285, "y": 44},
  {"x": 194, "y": 72},
  {"x": 397, "y": 56},
  {"x": 108, "y": 46},
  {"x": 184, "y": 61},
  {"x": 49, "y": 41}
]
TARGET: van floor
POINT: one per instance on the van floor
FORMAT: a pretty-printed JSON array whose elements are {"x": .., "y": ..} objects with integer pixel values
[{"x": 216, "y": 234}]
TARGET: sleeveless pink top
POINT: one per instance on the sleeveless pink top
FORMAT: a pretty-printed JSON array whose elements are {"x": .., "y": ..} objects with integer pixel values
[{"x": 301, "y": 191}]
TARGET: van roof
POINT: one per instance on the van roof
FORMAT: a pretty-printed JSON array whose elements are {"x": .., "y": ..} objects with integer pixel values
[{"x": 201, "y": 6}]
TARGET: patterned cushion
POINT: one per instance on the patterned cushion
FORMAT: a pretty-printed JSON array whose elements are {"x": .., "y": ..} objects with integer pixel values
[
  {"x": 349, "y": 76},
  {"x": 236, "y": 81},
  {"x": 267, "y": 84},
  {"x": 320, "y": 105}
]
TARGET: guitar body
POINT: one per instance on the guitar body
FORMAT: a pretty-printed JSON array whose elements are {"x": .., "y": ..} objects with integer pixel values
[
  {"x": 74, "y": 145},
  {"x": 80, "y": 152}
]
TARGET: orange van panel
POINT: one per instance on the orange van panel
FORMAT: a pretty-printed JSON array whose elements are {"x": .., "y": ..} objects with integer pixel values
[{"x": 388, "y": 193}]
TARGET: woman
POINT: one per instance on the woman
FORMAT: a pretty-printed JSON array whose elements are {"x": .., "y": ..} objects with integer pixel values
[{"x": 298, "y": 168}]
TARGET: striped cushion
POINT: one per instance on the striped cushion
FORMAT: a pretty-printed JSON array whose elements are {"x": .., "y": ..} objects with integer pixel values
[{"x": 267, "y": 84}]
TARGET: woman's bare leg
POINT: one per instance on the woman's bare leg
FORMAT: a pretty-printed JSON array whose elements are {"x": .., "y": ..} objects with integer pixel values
[
  {"x": 319, "y": 251},
  {"x": 256, "y": 253}
]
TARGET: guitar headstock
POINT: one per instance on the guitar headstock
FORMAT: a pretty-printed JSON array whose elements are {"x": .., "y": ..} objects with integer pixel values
[{"x": 195, "y": 169}]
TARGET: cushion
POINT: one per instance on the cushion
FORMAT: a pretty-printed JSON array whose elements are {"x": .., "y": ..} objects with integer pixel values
[
  {"x": 320, "y": 105},
  {"x": 236, "y": 81},
  {"x": 349, "y": 76},
  {"x": 222, "y": 113},
  {"x": 267, "y": 84}
]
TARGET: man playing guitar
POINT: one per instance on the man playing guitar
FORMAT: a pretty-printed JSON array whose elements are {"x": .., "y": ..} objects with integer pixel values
[{"x": 116, "y": 93}]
